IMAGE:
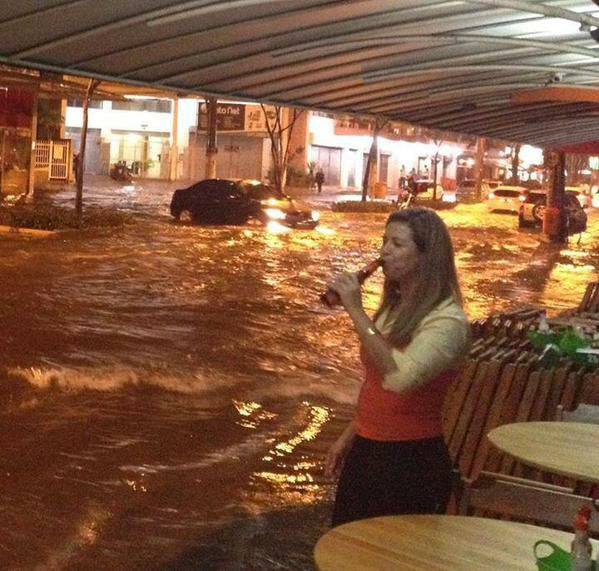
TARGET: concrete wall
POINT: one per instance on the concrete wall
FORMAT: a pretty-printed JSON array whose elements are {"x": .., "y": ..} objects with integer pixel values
[{"x": 239, "y": 156}]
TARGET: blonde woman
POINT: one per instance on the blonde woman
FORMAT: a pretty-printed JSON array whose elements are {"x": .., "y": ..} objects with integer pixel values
[{"x": 392, "y": 458}]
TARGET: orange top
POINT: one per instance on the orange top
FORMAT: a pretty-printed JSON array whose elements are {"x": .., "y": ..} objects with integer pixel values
[{"x": 389, "y": 416}]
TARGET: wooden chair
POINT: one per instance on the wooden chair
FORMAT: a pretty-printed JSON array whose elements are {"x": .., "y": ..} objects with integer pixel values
[
  {"x": 590, "y": 300},
  {"x": 525, "y": 500},
  {"x": 586, "y": 413}
]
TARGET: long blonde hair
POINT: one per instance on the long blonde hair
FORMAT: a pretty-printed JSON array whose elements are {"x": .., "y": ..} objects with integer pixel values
[{"x": 436, "y": 280}]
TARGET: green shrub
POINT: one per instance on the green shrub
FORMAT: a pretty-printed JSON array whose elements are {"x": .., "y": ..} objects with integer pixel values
[
  {"x": 45, "y": 217},
  {"x": 297, "y": 177},
  {"x": 359, "y": 206},
  {"x": 385, "y": 205}
]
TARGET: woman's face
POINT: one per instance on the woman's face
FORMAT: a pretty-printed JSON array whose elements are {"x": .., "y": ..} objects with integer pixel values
[{"x": 401, "y": 258}]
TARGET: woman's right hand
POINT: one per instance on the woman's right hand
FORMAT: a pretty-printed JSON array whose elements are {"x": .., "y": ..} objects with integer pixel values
[{"x": 336, "y": 457}]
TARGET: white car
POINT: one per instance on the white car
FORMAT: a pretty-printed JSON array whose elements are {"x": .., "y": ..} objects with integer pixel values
[
  {"x": 581, "y": 193},
  {"x": 533, "y": 208},
  {"x": 507, "y": 198}
]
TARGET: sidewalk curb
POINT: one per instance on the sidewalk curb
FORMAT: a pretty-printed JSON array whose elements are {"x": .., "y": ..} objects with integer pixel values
[{"x": 31, "y": 232}]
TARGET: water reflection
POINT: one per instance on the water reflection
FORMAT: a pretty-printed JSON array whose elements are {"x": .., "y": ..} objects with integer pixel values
[{"x": 187, "y": 381}]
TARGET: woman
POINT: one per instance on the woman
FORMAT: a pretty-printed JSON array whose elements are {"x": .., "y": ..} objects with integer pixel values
[{"x": 393, "y": 456}]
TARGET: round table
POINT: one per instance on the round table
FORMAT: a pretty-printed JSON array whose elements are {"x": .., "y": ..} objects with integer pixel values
[
  {"x": 433, "y": 542},
  {"x": 565, "y": 448}
]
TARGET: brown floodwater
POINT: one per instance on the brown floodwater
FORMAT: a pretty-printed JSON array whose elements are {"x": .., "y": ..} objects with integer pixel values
[{"x": 168, "y": 392}]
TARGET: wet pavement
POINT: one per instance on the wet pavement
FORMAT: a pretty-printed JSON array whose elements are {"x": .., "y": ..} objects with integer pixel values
[{"x": 169, "y": 391}]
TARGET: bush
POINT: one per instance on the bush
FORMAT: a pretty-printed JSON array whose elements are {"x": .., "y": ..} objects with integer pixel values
[
  {"x": 53, "y": 218},
  {"x": 298, "y": 177},
  {"x": 359, "y": 206},
  {"x": 385, "y": 205}
]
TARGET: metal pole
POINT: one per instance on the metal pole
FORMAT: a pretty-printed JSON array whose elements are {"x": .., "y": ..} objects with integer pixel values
[
  {"x": 174, "y": 156},
  {"x": 211, "y": 148}
]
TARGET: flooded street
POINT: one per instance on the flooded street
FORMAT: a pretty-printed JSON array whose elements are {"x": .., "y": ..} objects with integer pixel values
[{"x": 169, "y": 391}]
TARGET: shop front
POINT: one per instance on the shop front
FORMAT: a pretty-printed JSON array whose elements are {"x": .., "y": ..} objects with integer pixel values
[{"x": 16, "y": 113}]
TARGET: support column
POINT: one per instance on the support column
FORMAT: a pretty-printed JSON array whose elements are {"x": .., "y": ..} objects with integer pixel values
[
  {"x": 554, "y": 223},
  {"x": 211, "y": 148},
  {"x": 174, "y": 154}
]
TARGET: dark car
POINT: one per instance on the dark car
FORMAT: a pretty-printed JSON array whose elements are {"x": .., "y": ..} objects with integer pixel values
[
  {"x": 234, "y": 201},
  {"x": 533, "y": 208}
]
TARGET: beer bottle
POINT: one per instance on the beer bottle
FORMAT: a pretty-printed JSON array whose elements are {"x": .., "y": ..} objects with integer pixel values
[{"x": 331, "y": 298}]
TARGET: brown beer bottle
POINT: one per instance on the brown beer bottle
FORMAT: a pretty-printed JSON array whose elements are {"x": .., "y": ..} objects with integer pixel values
[{"x": 331, "y": 298}]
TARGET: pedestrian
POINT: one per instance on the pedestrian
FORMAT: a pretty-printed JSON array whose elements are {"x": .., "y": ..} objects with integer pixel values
[
  {"x": 392, "y": 458},
  {"x": 402, "y": 178},
  {"x": 319, "y": 178},
  {"x": 412, "y": 184}
]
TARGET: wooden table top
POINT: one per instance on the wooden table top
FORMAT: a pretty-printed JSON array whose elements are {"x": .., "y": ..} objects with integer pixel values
[
  {"x": 565, "y": 448},
  {"x": 433, "y": 543}
]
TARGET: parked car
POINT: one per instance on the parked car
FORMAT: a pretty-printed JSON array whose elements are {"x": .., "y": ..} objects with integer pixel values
[
  {"x": 533, "y": 208},
  {"x": 235, "y": 201},
  {"x": 507, "y": 198},
  {"x": 466, "y": 191}
]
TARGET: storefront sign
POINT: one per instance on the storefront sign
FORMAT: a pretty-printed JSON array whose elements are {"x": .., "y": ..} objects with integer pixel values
[
  {"x": 237, "y": 117},
  {"x": 229, "y": 117},
  {"x": 255, "y": 120},
  {"x": 391, "y": 131}
]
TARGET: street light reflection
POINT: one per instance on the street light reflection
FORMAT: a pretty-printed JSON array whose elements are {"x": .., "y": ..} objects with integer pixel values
[
  {"x": 277, "y": 228},
  {"x": 325, "y": 231}
]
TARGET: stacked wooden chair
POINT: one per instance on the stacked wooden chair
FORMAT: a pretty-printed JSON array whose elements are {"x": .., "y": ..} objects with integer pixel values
[{"x": 501, "y": 382}]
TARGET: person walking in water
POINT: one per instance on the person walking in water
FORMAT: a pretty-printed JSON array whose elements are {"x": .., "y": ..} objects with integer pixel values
[
  {"x": 319, "y": 178},
  {"x": 391, "y": 458}
]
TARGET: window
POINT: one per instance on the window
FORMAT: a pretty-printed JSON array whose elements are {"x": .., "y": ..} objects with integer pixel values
[
  {"x": 507, "y": 193},
  {"x": 155, "y": 105},
  {"x": 260, "y": 191}
]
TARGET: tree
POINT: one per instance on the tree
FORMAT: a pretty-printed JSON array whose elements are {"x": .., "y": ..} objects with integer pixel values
[
  {"x": 370, "y": 172},
  {"x": 49, "y": 119},
  {"x": 280, "y": 136},
  {"x": 575, "y": 164},
  {"x": 515, "y": 163},
  {"x": 91, "y": 86}
]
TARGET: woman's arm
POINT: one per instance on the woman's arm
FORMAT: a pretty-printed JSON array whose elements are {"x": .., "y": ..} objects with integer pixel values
[
  {"x": 338, "y": 452},
  {"x": 377, "y": 347},
  {"x": 440, "y": 343}
]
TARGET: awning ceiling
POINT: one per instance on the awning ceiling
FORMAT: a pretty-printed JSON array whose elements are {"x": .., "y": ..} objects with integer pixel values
[{"x": 472, "y": 67}]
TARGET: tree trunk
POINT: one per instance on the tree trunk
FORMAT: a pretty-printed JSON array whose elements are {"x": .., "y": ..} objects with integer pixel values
[
  {"x": 435, "y": 173},
  {"x": 93, "y": 83},
  {"x": 371, "y": 168},
  {"x": 515, "y": 163},
  {"x": 280, "y": 137},
  {"x": 34, "y": 120}
]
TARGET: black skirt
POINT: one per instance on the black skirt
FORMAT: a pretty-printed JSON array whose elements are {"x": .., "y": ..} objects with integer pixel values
[{"x": 392, "y": 478}]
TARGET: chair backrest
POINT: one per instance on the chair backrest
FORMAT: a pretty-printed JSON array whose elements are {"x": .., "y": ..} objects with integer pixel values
[
  {"x": 525, "y": 500},
  {"x": 590, "y": 300}
]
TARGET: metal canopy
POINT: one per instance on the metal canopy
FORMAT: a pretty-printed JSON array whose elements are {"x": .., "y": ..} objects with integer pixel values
[{"x": 462, "y": 66}]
